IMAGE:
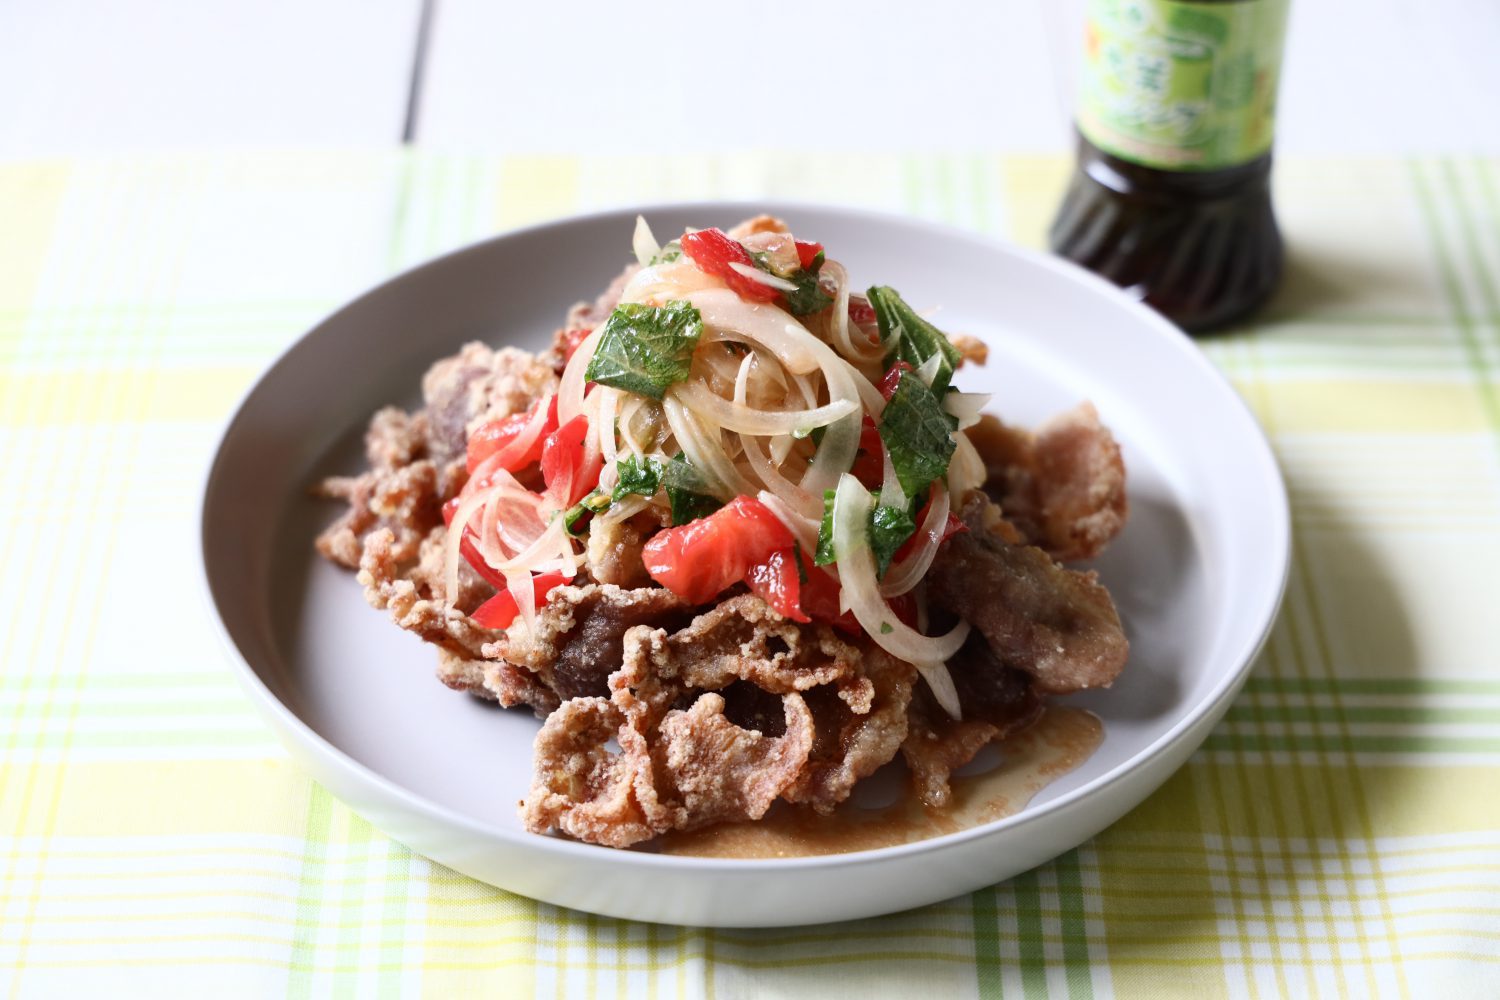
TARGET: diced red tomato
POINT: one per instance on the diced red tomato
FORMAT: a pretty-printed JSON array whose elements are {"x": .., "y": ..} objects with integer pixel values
[
  {"x": 469, "y": 550},
  {"x": 888, "y": 383},
  {"x": 563, "y": 469},
  {"x": 869, "y": 461},
  {"x": 861, "y": 312},
  {"x": 820, "y": 600},
  {"x": 699, "y": 560},
  {"x": 713, "y": 251},
  {"x": 497, "y": 434},
  {"x": 777, "y": 582},
  {"x": 807, "y": 253},
  {"x": 570, "y": 339},
  {"x": 499, "y": 611}
]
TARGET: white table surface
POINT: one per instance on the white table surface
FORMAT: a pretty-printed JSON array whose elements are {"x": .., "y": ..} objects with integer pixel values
[{"x": 92, "y": 76}]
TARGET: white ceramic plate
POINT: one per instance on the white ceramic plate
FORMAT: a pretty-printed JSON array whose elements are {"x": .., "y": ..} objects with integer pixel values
[{"x": 1197, "y": 573}]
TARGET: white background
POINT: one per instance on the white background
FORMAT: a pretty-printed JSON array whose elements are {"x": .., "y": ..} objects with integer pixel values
[{"x": 92, "y": 76}]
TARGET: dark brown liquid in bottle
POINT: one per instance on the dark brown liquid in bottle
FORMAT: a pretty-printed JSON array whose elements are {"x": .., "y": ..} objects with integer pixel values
[{"x": 1200, "y": 247}]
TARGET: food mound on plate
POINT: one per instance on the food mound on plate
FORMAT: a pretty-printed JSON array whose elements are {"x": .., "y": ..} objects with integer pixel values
[{"x": 737, "y": 538}]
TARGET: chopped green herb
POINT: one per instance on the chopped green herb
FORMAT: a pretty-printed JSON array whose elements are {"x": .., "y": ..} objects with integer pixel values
[
  {"x": 596, "y": 502},
  {"x": 890, "y": 527},
  {"x": 668, "y": 253},
  {"x": 686, "y": 491},
  {"x": 911, "y": 338},
  {"x": 809, "y": 296},
  {"x": 639, "y": 476},
  {"x": 643, "y": 349},
  {"x": 917, "y": 434},
  {"x": 885, "y": 628},
  {"x": 823, "y": 555}
]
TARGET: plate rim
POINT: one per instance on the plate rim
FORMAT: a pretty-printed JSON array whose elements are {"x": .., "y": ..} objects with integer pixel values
[{"x": 286, "y": 722}]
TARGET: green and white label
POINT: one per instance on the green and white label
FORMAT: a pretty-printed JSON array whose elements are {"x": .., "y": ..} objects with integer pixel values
[{"x": 1182, "y": 86}]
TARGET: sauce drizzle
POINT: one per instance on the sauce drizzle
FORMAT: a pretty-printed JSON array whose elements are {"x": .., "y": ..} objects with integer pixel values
[{"x": 1055, "y": 744}]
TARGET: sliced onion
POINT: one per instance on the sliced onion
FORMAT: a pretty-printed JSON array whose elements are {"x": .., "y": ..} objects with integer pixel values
[
  {"x": 770, "y": 476},
  {"x": 891, "y": 493},
  {"x": 869, "y": 395},
  {"x": 725, "y": 312},
  {"x": 571, "y": 389},
  {"x": 764, "y": 277},
  {"x": 966, "y": 470},
  {"x": 606, "y": 430},
  {"x": 966, "y": 407},
  {"x": 451, "y": 544},
  {"x": 704, "y": 450},
  {"x": 667, "y": 281},
  {"x": 855, "y": 348},
  {"x": 851, "y": 546},
  {"x": 927, "y": 370},
  {"x": 804, "y": 529},
  {"x": 743, "y": 419},
  {"x": 940, "y": 683},
  {"x": 906, "y": 574},
  {"x": 643, "y": 242}
]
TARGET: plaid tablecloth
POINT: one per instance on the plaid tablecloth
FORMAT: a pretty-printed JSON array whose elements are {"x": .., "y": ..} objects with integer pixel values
[{"x": 1339, "y": 833}]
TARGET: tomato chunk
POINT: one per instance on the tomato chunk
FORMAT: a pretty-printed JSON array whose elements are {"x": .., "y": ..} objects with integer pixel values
[
  {"x": 564, "y": 471},
  {"x": 570, "y": 339},
  {"x": 499, "y": 611},
  {"x": 701, "y": 559},
  {"x": 499, "y": 434},
  {"x": 888, "y": 383},
  {"x": 713, "y": 251},
  {"x": 777, "y": 582},
  {"x": 807, "y": 253}
]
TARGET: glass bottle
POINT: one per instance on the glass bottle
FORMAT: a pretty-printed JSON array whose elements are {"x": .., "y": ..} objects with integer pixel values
[{"x": 1171, "y": 197}]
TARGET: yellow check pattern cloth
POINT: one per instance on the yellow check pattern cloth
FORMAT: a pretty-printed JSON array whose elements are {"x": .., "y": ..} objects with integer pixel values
[{"x": 1339, "y": 833}]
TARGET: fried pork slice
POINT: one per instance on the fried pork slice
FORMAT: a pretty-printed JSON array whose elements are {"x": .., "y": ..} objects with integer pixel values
[
  {"x": 398, "y": 491},
  {"x": 1062, "y": 486},
  {"x": 1058, "y": 625},
  {"x": 996, "y": 701},
  {"x": 579, "y": 636},
  {"x": 701, "y": 769},
  {"x": 851, "y": 745},
  {"x": 385, "y": 587},
  {"x": 582, "y": 788},
  {"x": 726, "y": 709},
  {"x": 743, "y": 639}
]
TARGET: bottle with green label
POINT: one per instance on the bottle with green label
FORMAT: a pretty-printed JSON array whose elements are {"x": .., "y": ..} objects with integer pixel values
[{"x": 1171, "y": 199}]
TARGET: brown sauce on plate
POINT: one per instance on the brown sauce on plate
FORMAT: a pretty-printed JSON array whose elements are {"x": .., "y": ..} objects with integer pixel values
[{"x": 1058, "y": 742}]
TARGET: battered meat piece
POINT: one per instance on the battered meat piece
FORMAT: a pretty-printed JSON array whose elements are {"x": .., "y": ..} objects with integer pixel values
[
  {"x": 697, "y": 705},
  {"x": 579, "y": 636},
  {"x": 851, "y": 745},
  {"x": 444, "y": 627},
  {"x": 1063, "y": 487},
  {"x": 398, "y": 492},
  {"x": 699, "y": 769},
  {"x": 1057, "y": 624},
  {"x": 995, "y": 701}
]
